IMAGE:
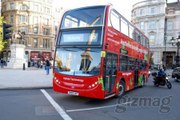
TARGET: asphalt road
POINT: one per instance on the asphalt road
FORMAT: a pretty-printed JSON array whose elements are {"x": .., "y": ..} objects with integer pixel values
[{"x": 145, "y": 103}]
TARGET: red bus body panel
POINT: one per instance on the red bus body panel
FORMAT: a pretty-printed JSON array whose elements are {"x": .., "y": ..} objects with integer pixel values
[{"x": 80, "y": 85}]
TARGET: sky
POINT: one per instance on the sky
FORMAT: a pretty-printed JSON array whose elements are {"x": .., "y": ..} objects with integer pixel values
[{"x": 122, "y": 6}]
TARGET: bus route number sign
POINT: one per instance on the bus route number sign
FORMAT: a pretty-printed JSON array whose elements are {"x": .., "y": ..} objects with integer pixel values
[{"x": 123, "y": 51}]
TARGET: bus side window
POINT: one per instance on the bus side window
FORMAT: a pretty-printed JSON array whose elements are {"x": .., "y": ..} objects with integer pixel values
[
  {"x": 114, "y": 63},
  {"x": 145, "y": 65},
  {"x": 123, "y": 63},
  {"x": 141, "y": 65},
  {"x": 136, "y": 65},
  {"x": 131, "y": 62}
]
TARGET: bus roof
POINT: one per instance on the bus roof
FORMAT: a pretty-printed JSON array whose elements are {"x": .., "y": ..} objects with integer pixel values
[{"x": 109, "y": 5}]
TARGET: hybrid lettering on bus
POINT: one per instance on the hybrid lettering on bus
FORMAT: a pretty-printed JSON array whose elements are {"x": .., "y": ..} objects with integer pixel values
[{"x": 99, "y": 54}]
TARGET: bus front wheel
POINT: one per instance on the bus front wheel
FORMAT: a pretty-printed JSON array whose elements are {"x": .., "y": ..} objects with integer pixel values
[{"x": 121, "y": 88}]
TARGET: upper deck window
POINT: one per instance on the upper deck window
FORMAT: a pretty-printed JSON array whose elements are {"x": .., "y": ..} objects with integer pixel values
[
  {"x": 115, "y": 20},
  {"x": 85, "y": 17}
]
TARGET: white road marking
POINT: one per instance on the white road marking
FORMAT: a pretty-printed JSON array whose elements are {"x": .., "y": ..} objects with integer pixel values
[
  {"x": 96, "y": 108},
  {"x": 62, "y": 113}
]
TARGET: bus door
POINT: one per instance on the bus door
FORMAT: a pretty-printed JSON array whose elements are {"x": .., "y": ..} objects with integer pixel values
[
  {"x": 136, "y": 73},
  {"x": 110, "y": 71}
]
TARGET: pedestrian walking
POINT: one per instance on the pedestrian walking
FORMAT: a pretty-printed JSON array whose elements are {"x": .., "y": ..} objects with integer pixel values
[
  {"x": 41, "y": 64},
  {"x": 47, "y": 66},
  {"x": 2, "y": 63}
]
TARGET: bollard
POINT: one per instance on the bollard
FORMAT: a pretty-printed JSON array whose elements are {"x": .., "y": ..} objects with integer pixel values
[{"x": 24, "y": 66}]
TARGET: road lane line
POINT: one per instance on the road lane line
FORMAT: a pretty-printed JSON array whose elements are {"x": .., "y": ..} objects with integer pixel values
[
  {"x": 96, "y": 108},
  {"x": 62, "y": 113}
]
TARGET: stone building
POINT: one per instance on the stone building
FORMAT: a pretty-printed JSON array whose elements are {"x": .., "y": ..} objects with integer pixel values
[
  {"x": 34, "y": 20},
  {"x": 156, "y": 19},
  {"x": 172, "y": 30}
]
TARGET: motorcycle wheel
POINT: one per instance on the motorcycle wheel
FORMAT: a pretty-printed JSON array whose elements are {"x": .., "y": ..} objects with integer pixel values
[
  {"x": 156, "y": 84},
  {"x": 169, "y": 85}
]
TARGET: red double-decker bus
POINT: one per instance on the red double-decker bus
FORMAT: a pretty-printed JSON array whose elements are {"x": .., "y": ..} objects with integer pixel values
[{"x": 99, "y": 54}]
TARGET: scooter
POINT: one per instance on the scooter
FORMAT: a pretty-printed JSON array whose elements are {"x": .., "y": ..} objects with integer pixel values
[{"x": 161, "y": 81}]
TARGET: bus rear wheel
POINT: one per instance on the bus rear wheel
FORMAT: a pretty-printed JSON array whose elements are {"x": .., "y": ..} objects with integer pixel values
[{"x": 121, "y": 88}]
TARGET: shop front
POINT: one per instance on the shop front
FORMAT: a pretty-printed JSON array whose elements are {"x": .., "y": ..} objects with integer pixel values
[{"x": 46, "y": 55}]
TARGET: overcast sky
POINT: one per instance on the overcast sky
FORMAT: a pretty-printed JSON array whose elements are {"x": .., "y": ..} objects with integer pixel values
[{"x": 123, "y": 6}]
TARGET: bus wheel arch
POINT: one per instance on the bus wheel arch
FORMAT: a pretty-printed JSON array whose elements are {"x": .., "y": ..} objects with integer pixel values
[{"x": 121, "y": 87}]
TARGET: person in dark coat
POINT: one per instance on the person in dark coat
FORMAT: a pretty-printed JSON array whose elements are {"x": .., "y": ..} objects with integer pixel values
[
  {"x": 47, "y": 66},
  {"x": 2, "y": 63}
]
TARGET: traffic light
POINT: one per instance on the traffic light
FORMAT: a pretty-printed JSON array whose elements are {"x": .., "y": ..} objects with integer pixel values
[{"x": 7, "y": 32}]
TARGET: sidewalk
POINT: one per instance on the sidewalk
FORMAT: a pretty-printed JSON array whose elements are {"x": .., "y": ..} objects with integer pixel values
[{"x": 25, "y": 79}]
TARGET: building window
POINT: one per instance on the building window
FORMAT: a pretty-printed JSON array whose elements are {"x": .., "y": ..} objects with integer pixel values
[
  {"x": 134, "y": 13},
  {"x": 46, "y": 21},
  {"x": 142, "y": 25},
  {"x": 35, "y": 20},
  {"x": 4, "y": 8},
  {"x": 169, "y": 25},
  {"x": 152, "y": 10},
  {"x": 47, "y": 10},
  {"x": 35, "y": 30},
  {"x": 36, "y": 8},
  {"x": 24, "y": 7},
  {"x": 35, "y": 43},
  {"x": 152, "y": 25},
  {"x": 142, "y": 12},
  {"x": 58, "y": 10},
  {"x": 12, "y": 6},
  {"x": 12, "y": 19},
  {"x": 22, "y": 19},
  {"x": 152, "y": 39},
  {"x": 46, "y": 31},
  {"x": 46, "y": 43}
]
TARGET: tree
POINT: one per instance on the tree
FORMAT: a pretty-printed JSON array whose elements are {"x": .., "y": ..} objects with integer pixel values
[{"x": 2, "y": 43}]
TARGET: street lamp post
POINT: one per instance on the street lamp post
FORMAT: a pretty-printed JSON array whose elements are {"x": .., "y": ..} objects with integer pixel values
[{"x": 177, "y": 43}]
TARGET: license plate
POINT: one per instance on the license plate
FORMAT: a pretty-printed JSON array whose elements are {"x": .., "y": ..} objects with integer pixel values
[{"x": 73, "y": 93}]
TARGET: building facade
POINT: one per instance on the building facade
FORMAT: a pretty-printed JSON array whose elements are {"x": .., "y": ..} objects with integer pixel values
[
  {"x": 34, "y": 21},
  {"x": 172, "y": 30},
  {"x": 152, "y": 18}
]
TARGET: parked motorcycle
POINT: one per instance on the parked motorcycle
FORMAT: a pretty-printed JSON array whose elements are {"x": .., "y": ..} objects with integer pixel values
[{"x": 161, "y": 81}]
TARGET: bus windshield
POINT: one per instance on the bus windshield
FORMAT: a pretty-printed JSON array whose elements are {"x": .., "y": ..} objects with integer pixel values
[
  {"x": 77, "y": 61},
  {"x": 85, "y": 17}
]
